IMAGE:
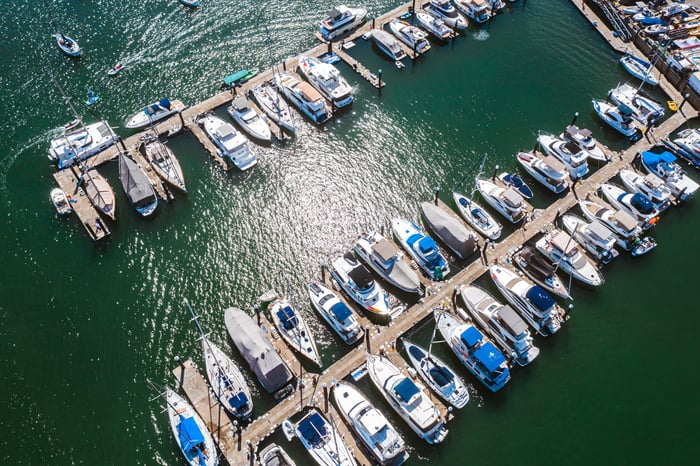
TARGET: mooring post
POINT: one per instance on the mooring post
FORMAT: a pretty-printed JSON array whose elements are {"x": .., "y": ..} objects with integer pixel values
[
  {"x": 179, "y": 362},
  {"x": 256, "y": 308},
  {"x": 373, "y": 19},
  {"x": 121, "y": 142},
  {"x": 379, "y": 73},
  {"x": 413, "y": 9},
  {"x": 495, "y": 172},
  {"x": 367, "y": 342},
  {"x": 685, "y": 98},
  {"x": 325, "y": 396},
  {"x": 574, "y": 120},
  {"x": 323, "y": 272},
  {"x": 437, "y": 194}
]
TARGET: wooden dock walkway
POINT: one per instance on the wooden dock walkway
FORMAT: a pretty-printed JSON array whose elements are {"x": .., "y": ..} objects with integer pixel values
[{"x": 87, "y": 215}]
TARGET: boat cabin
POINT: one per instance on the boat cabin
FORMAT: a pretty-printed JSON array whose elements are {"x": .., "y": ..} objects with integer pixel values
[
  {"x": 406, "y": 391},
  {"x": 541, "y": 300},
  {"x": 471, "y": 337},
  {"x": 624, "y": 221},
  {"x": 511, "y": 321},
  {"x": 384, "y": 254}
]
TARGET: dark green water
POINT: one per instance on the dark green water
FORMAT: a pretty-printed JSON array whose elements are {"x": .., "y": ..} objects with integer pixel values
[{"x": 84, "y": 326}]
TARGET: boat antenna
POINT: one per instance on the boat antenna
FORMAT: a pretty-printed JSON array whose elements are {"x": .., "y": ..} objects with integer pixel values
[{"x": 481, "y": 170}]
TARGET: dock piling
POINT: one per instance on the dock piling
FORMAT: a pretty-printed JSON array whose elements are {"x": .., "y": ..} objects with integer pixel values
[
  {"x": 574, "y": 119},
  {"x": 325, "y": 396},
  {"x": 495, "y": 172},
  {"x": 256, "y": 308},
  {"x": 437, "y": 195},
  {"x": 379, "y": 74},
  {"x": 367, "y": 340}
]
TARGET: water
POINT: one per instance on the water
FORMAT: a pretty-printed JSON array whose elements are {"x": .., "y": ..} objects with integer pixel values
[{"x": 85, "y": 325}]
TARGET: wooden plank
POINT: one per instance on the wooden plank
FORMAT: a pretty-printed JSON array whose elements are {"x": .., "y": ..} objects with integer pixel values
[{"x": 88, "y": 216}]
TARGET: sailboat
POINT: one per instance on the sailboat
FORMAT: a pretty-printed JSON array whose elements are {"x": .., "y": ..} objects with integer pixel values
[
  {"x": 474, "y": 214},
  {"x": 67, "y": 45},
  {"x": 164, "y": 163},
  {"x": 190, "y": 432},
  {"x": 137, "y": 186},
  {"x": 99, "y": 192}
]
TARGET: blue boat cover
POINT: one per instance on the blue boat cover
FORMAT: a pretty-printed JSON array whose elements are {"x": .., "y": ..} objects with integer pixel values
[
  {"x": 426, "y": 244},
  {"x": 413, "y": 238},
  {"x": 189, "y": 434},
  {"x": 341, "y": 311},
  {"x": 312, "y": 428},
  {"x": 287, "y": 317},
  {"x": 416, "y": 352},
  {"x": 540, "y": 298},
  {"x": 642, "y": 203},
  {"x": 652, "y": 159},
  {"x": 406, "y": 389},
  {"x": 165, "y": 103},
  {"x": 471, "y": 336},
  {"x": 463, "y": 202},
  {"x": 489, "y": 356},
  {"x": 649, "y": 20},
  {"x": 238, "y": 401}
]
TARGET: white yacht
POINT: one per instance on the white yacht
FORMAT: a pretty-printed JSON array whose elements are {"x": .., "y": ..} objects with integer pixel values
[
  {"x": 506, "y": 201},
  {"x": 435, "y": 26},
  {"x": 585, "y": 140},
  {"x": 293, "y": 329},
  {"x": 502, "y": 323},
  {"x": 414, "y": 38},
  {"x": 665, "y": 167},
  {"x": 568, "y": 153},
  {"x": 595, "y": 237},
  {"x": 688, "y": 140},
  {"x": 561, "y": 249},
  {"x": 154, "y": 112},
  {"x": 625, "y": 227},
  {"x": 357, "y": 282},
  {"x": 383, "y": 257},
  {"x": 637, "y": 205},
  {"x": 60, "y": 201},
  {"x": 373, "y": 428},
  {"x": 644, "y": 110},
  {"x": 327, "y": 80},
  {"x": 334, "y": 311},
  {"x": 340, "y": 20},
  {"x": 227, "y": 381},
  {"x": 273, "y": 105},
  {"x": 477, "y": 10},
  {"x": 444, "y": 10},
  {"x": 304, "y": 97},
  {"x": 274, "y": 455},
  {"x": 232, "y": 145},
  {"x": 618, "y": 118},
  {"x": 164, "y": 163},
  {"x": 549, "y": 171},
  {"x": 388, "y": 44},
  {"x": 477, "y": 217},
  {"x": 407, "y": 398},
  {"x": 81, "y": 144},
  {"x": 650, "y": 185},
  {"x": 249, "y": 120},
  {"x": 421, "y": 248},
  {"x": 190, "y": 432},
  {"x": 320, "y": 438},
  {"x": 535, "y": 305}
]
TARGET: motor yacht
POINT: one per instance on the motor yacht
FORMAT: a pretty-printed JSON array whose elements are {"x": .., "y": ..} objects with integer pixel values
[
  {"x": 384, "y": 258},
  {"x": 561, "y": 249},
  {"x": 650, "y": 185},
  {"x": 334, "y": 311},
  {"x": 637, "y": 205},
  {"x": 232, "y": 145},
  {"x": 327, "y": 80},
  {"x": 568, "y": 153},
  {"x": 421, "y": 248},
  {"x": 540, "y": 270},
  {"x": 665, "y": 167},
  {"x": 249, "y": 120},
  {"x": 619, "y": 118},
  {"x": 595, "y": 237},
  {"x": 548, "y": 170},
  {"x": 340, "y": 20},
  {"x": 506, "y": 201},
  {"x": 304, "y": 97},
  {"x": 358, "y": 283},
  {"x": 414, "y": 38}
]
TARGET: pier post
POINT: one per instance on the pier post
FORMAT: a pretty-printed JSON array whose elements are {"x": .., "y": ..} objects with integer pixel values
[
  {"x": 182, "y": 119},
  {"x": 413, "y": 10},
  {"x": 373, "y": 19},
  {"x": 574, "y": 120},
  {"x": 179, "y": 362},
  {"x": 379, "y": 74},
  {"x": 121, "y": 142},
  {"x": 330, "y": 46},
  {"x": 495, "y": 172},
  {"x": 367, "y": 342},
  {"x": 685, "y": 98},
  {"x": 437, "y": 194},
  {"x": 323, "y": 272},
  {"x": 284, "y": 65},
  {"x": 325, "y": 396},
  {"x": 256, "y": 308}
]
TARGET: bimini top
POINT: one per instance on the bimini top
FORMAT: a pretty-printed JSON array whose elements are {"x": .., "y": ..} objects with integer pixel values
[
  {"x": 313, "y": 428},
  {"x": 512, "y": 320},
  {"x": 426, "y": 245},
  {"x": 653, "y": 159},
  {"x": 471, "y": 336},
  {"x": 540, "y": 298},
  {"x": 238, "y": 400},
  {"x": 361, "y": 276},
  {"x": 189, "y": 434},
  {"x": 489, "y": 356},
  {"x": 341, "y": 311},
  {"x": 287, "y": 317},
  {"x": 512, "y": 198},
  {"x": 599, "y": 231},
  {"x": 642, "y": 203},
  {"x": 384, "y": 250},
  {"x": 406, "y": 389}
]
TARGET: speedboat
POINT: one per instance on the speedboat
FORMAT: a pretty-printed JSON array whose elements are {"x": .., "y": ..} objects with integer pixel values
[
  {"x": 293, "y": 329},
  {"x": 535, "y": 305},
  {"x": 340, "y": 20},
  {"x": 445, "y": 11},
  {"x": 190, "y": 3},
  {"x": 643, "y": 245},
  {"x": 407, "y": 398},
  {"x": 650, "y": 185},
  {"x": 304, "y": 97},
  {"x": 253, "y": 344},
  {"x": 227, "y": 382},
  {"x": 640, "y": 69},
  {"x": 373, "y": 428},
  {"x": 274, "y": 455},
  {"x": 99, "y": 192},
  {"x": 154, "y": 112},
  {"x": 644, "y": 110},
  {"x": 274, "y": 106},
  {"x": 437, "y": 375},
  {"x": 462, "y": 241},
  {"x": 568, "y": 153},
  {"x": 474, "y": 350},
  {"x": 334, "y": 311},
  {"x": 585, "y": 140},
  {"x": 232, "y": 145},
  {"x": 60, "y": 201},
  {"x": 561, "y": 249},
  {"x": 538, "y": 269},
  {"x": 433, "y": 25},
  {"x": 637, "y": 205},
  {"x": 421, "y": 248},
  {"x": 115, "y": 70},
  {"x": 383, "y": 257},
  {"x": 549, "y": 171},
  {"x": 164, "y": 163},
  {"x": 663, "y": 165},
  {"x": 477, "y": 217},
  {"x": 357, "y": 282},
  {"x": 137, "y": 186},
  {"x": 327, "y": 80},
  {"x": 618, "y": 118},
  {"x": 506, "y": 201},
  {"x": 388, "y": 44},
  {"x": 414, "y": 38},
  {"x": 595, "y": 237},
  {"x": 478, "y": 10},
  {"x": 688, "y": 145},
  {"x": 81, "y": 144},
  {"x": 502, "y": 323},
  {"x": 67, "y": 45},
  {"x": 625, "y": 227},
  {"x": 190, "y": 432},
  {"x": 513, "y": 180},
  {"x": 249, "y": 120},
  {"x": 656, "y": 29},
  {"x": 320, "y": 438}
]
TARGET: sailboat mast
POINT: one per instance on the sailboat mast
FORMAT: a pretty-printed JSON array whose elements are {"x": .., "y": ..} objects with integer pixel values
[{"x": 66, "y": 97}]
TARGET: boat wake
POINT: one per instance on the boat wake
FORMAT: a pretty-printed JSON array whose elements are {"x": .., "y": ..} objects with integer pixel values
[{"x": 481, "y": 35}]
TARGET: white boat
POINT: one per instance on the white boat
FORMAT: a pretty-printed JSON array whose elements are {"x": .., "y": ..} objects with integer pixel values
[
  {"x": 60, "y": 201},
  {"x": 650, "y": 185},
  {"x": 334, "y": 311},
  {"x": 154, "y": 112},
  {"x": 340, "y": 20},
  {"x": 549, "y": 171},
  {"x": 388, "y": 44},
  {"x": 67, "y": 45},
  {"x": 383, "y": 257},
  {"x": 293, "y": 329},
  {"x": 595, "y": 237},
  {"x": 561, "y": 249},
  {"x": 81, "y": 144},
  {"x": 274, "y": 455},
  {"x": 190, "y": 432},
  {"x": 568, "y": 153},
  {"x": 585, "y": 140},
  {"x": 437, "y": 375},
  {"x": 249, "y": 120},
  {"x": 99, "y": 192},
  {"x": 535, "y": 305},
  {"x": 636, "y": 204},
  {"x": 421, "y": 248},
  {"x": 477, "y": 10},
  {"x": 115, "y": 70},
  {"x": 444, "y": 10},
  {"x": 373, "y": 428},
  {"x": 477, "y": 217},
  {"x": 474, "y": 350},
  {"x": 165, "y": 164},
  {"x": 227, "y": 382},
  {"x": 540, "y": 270},
  {"x": 407, "y": 398},
  {"x": 414, "y": 38},
  {"x": 433, "y": 25},
  {"x": 273, "y": 105},
  {"x": 618, "y": 118},
  {"x": 688, "y": 140},
  {"x": 190, "y": 3},
  {"x": 502, "y": 324},
  {"x": 462, "y": 241},
  {"x": 625, "y": 227},
  {"x": 665, "y": 167},
  {"x": 304, "y": 97},
  {"x": 327, "y": 80},
  {"x": 137, "y": 186},
  {"x": 507, "y": 201},
  {"x": 656, "y": 29},
  {"x": 320, "y": 438},
  {"x": 358, "y": 283},
  {"x": 640, "y": 69},
  {"x": 232, "y": 145},
  {"x": 644, "y": 109}
]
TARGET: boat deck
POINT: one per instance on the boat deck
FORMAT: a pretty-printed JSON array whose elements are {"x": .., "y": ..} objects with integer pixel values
[{"x": 87, "y": 215}]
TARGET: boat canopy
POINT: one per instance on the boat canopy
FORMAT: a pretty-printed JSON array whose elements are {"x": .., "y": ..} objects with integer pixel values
[
  {"x": 241, "y": 103},
  {"x": 189, "y": 434},
  {"x": 155, "y": 108},
  {"x": 361, "y": 276},
  {"x": 416, "y": 352},
  {"x": 652, "y": 159},
  {"x": 136, "y": 183},
  {"x": 625, "y": 110},
  {"x": 512, "y": 321},
  {"x": 563, "y": 242},
  {"x": 536, "y": 261},
  {"x": 426, "y": 245},
  {"x": 313, "y": 428},
  {"x": 540, "y": 298},
  {"x": 287, "y": 317},
  {"x": 554, "y": 163},
  {"x": 512, "y": 198},
  {"x": 599, "y": 231},
  {"x": 234, "y": 78},
  {"x": 625, "y": 220},
  {"x": 341, "y": 311},
  {"x": 471, "y": 336},
  {"x": 489, "y": 356},
  {"x": 238, "y": 401},
  {"x": 384, "y": 250},
  {"x": 406, "y": 389},
  {"x": 441, "y": 375},
  {"x": 373, "y": 422},
  {"x": 642, "y": 203}
]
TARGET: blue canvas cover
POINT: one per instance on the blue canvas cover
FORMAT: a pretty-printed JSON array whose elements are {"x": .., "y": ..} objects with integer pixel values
[
  {"x": 471, "y": 336},
  {"x": 489, "y": 356},
  {"x": 287, "y": 317},
  {"x": 426, "y": 245},
  {"x": 642, "y": 203},
  {"x": 416, "y": 352},
  {"x": 650, "y": 20},
  {"x": 406, "y": 389},
  {"x": 413, "y": 238},
  {"x": 653, "y": 159},
  {"x": 189, "y": 434},
  {"x": 341, "y": 311},
  {"x": 540, "y": 298},
  {"x": 238, "y": 401},
  {"x": 312, "y": 428}
]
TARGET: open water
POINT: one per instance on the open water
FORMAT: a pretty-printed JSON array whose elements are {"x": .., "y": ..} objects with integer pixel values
[{"x": 84, "y": 326}]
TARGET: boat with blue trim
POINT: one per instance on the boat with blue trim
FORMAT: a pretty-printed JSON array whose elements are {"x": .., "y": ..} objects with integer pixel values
[
  {"x": 67, "y": 45},
  {"x": 444, "y": 10},
  {"x": 304, "y": 97},
  {"x": 320, "y": 438},
  {"x": 568, "y": 153},
  {"x": 421, "y": 248},
  {"x": 644, "y": 109},
  {"x": 477, "y": 10},
  {"x": 640, "y": 69},
  {"x": 650, "y": 185},
  {"x": 595, "y": 237},
  {"x": 540, "y": 270},
  {"x": 190, "y": 432},
  {"x": 358, "y": 283},
  {"x": 618, "y": 117},
  {"x": 334, "y": 311},
  {"x": 383, "y": 257},
  {"x": 665, "y": 167},
  {"x": 293, "y": 329},
  {"x": 154, "y": 112},
  {"x": 327, "y": 80},
  {"x": 513, "y": 180},
  {"x": 227, "y": 381},
  {"x": 548, "y": 170},
  {"x": 477, "y": 217},
  {"x": 637, "y": 205}
]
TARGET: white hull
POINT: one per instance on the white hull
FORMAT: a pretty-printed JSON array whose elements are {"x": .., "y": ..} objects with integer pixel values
[
  {"x": 249, "y": 121},
  {"x": 548, "y": 176},
  {"x": 321, "y": 440},
  {"x": 421, "y": 248},
  {"x": 232, "y": 145},
  {"x": 271, "y": 102},
  {"x": 339, "y": 316},
  {"x": 227, "y": 381},
  {"x": 573, "y": 262},
  {"x": 184, "y": 422},
  {"x": 569, "y": 154},
  {"x": 372, "y": 249},
  {"x": 292, "y": 326},
  {"x": 512, "y": 207},
  {"x": 621, "y": 199},
  {"x": 165, "y": 164},
  {"x": 477, "y": 217}
]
